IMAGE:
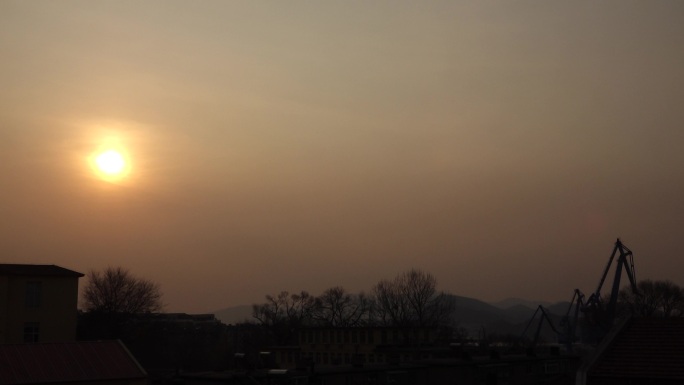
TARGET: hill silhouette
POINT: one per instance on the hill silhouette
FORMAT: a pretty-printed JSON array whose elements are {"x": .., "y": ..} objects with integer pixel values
[
  {"x": 477, "y": 316},
  {"x": 510, "y": 302},
  {"x": 509, "y": 316}
]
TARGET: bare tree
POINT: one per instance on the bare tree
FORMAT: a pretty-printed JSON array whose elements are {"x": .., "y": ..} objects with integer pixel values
[
  {"x": 116, "y": 290},
  {"x": 653, "y": 298},
  {"x": 335, "y": 307},
  {"x": 420, "y": 291},
  {"x": 301, "y": 308},
  {"x": 285, "y": 313},
  {"x": 271, "y": 312},
  {"x": 411, "y": 299},
  {"x": 390, "y": 308},
  {"x": 671, "y": 299}
]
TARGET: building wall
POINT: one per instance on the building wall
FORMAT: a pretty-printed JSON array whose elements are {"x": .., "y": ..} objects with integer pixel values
[
  {"x": 54, "y": 314},
  {"x": 4, "y": 297},
  {"x": 354, "y": 345},
  {"x": 514, "y": 371}
]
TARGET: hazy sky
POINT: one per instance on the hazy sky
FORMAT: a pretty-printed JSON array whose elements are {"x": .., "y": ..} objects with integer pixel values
[{"x": 289, "y": 145}]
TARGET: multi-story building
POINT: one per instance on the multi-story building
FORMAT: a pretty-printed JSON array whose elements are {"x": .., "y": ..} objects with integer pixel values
[
  {"x": 409, "y": 356},
  {"x": 38, "y": 303},
  {"x": 333, "y": 346}
]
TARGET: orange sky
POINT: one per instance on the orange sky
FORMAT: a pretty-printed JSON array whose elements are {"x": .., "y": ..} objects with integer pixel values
[{"x": 501, "y": 146}]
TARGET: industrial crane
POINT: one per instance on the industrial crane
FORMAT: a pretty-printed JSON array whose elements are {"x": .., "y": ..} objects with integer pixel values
[
  {"x": 568, "y": 322},
  {"x": 600, "y": 314},
  {"x": 604, "y": 314},
  {"x": 543, "y": 316}
]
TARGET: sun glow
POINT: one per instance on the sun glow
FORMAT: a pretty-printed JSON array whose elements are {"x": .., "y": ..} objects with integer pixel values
[
  {"x": 110, "y": 164},
  {"x": 113, "y": 151}
]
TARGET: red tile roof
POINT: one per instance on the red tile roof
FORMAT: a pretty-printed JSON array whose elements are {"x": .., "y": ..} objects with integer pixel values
[
  {"x": 646, "y": 348},
  {"x": 41, "y": 270},
  {"x": 67, "y": 362}
]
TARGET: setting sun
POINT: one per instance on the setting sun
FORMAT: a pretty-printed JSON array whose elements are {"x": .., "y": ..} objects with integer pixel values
[{"x": 110, "y": 162}]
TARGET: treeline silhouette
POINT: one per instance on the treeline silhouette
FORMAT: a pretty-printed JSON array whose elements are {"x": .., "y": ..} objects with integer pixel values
[
  {"x": 410, "y": 300},
  {"x": 652, "y": 299}
]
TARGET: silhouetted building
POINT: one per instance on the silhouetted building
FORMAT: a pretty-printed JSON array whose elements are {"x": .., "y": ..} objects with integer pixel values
[
  {"x": 38, "y": 303},
  {"x": 638, "y": 351},
  {"x": 365, "y": 345},
  {"x": 387, "y": 355},
  {"x": 162, "y": 342},
  {"x": 481, "y": 370},
  {"x": 511, "y": 370},
  {"x": 333, "y": 346}
]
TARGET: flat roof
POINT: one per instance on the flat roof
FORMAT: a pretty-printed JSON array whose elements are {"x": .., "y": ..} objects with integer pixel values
[{"x": 37, "y": 270}]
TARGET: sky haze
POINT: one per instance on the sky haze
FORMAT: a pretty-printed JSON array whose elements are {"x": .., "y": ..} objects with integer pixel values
[{"x": 502, "y": 146}]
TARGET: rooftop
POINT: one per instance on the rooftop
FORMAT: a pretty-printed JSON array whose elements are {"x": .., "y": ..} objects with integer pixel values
[
  {"x": 67, "y": 362},
  {"x": 644, "y": 348},
  {"x": 37, "y": 270}
]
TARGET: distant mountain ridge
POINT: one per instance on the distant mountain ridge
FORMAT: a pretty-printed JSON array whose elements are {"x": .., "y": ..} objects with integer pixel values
[
  {"x": 509, "y": 316},
  {"x": 510, "y": 302},
  {"x": 480, "y": 317}
]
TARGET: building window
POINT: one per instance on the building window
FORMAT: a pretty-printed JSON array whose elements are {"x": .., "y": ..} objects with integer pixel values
[
  {"x": 31, "y": 331},
  {"x": 33, "y": 294}
]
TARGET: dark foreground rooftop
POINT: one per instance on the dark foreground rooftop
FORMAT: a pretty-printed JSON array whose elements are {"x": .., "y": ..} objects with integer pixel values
[
  {"x": 641, "y": 350},
  {"x": 37, "y": 270},
  {"x": 67, "y": 362}
]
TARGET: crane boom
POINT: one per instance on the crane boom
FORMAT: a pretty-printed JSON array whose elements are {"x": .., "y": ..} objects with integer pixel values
[
  {"x": 570, "y": 323},
  {"x": 543, "y": 317},
  {"x": 625, "y": 261},
  {"x": 624, "y": 252}
]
